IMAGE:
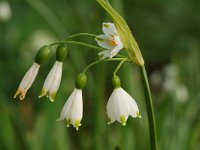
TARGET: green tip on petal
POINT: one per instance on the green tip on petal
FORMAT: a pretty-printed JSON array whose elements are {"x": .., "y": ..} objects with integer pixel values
[
  {"x": 43, "y": 92},
  {"x": 138, "y": 115},
  {"x": 99, "y": 39},
  {"x": 68, "y": 122},
  {"x": 52, "y": 96},
  {"x": 109, "y": 120},
  {"x": 123, "y": 120},
  {"x": 77, "y": 124},
  {"x": 106, "y": 25}
]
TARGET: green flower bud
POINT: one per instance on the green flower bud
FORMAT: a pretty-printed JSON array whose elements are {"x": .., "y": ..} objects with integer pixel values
[
  {"x": 81, "y": 80},
  {"x": 43, "y": 54},
  {"x": 61, "y": 52},
  {"x": 116, "y": 82}
]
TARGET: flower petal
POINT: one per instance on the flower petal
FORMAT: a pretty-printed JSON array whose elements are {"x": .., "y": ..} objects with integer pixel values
[
  {"x": 104, "y": 54},
  {"x": 109, "y": 29},
  {"x": 49, "y": 79},
  {"x": 77, "y": 108},
  {"x": 66, "y": 108},
  {"x": 134, "y": 111},
  {"x": 29, "y": 77},
  {"x": 73, "y": 109},
  {"x": 116, "y": 50},
  {"x": 117, "y": 107},
  {"x": 56, "y": 81},
  {"x": 27, "y": 81},
  {"x": 103, "y": 41}
]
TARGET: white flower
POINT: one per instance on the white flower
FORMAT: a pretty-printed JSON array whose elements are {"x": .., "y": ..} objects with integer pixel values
[
  {"x": 120, "y": 105},
  {"x": 27, "y": 81},
  {"x": 5, "y": 11},
  {"x": 181, "y": 93},
  {"x": 110, "y": 40},
  {"x": 73, "y": 109},
  {"x": 52, "y": 81}
]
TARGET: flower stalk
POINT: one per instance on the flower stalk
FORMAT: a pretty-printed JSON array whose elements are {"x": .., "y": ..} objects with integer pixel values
[{"x": 150, "y": 109}]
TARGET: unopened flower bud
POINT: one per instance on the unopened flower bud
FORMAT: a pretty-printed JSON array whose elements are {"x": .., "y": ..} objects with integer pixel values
[
  {"x": 81, "y": 80},
  {"x": 61, "y": 52},
  {"x": 43, "y": 54}
]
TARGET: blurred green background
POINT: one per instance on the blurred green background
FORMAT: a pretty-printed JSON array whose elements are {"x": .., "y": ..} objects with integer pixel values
[{"x": 168, "y": 33}]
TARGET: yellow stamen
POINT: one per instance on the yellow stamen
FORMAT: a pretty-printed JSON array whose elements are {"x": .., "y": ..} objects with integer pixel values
[
  {"x": 123, "y": 120},
  {"x": 111, "y": 42}
]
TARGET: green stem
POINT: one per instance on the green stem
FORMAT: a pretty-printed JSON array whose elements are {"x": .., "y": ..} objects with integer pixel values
[
  {"x": 78, "y": 43},
  {"x": 99, "y": 61},
  {"x": 150, "y": 110},
  {"x": 119, "y": 66},
  {"x": 80, "y": 34}
]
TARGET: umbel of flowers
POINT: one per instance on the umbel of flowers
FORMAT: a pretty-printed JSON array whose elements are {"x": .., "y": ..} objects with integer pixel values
[{"x": 120, "y": 104}]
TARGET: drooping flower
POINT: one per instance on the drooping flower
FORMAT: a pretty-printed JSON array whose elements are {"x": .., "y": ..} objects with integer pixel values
[
  {"x": 110, "y": 40},
  {"x": 73, "y": 108},
  {"x": 52, "y": 82},
  {"x": 53, "y": 79},
  {"x": 42, "y": 56},
  {"x": 120, "y": 104},
  {"x": 5, "y": 11},
  {"x": 27, "y": 81}
]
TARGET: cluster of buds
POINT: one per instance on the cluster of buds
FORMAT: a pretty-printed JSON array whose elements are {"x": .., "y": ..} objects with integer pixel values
[{"x": 120, "y": 104}]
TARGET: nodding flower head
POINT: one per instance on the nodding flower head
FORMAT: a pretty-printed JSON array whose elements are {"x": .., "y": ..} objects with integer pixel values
[
  {"x": 52, "y": 81},
  {"x": 120, "y": 104},
  {"x": 27, "y": 81},
  {"x": 73, "y": 109}
]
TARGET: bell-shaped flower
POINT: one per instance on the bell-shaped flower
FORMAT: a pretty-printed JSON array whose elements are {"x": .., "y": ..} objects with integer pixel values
[
  {"x": 73, "y": 109},
  {"x": 110, "y": 40},
  {"x": 52, "y": 82},
  {"x": 120, "y": 104},
  {"x": 27, "y": 81}
]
